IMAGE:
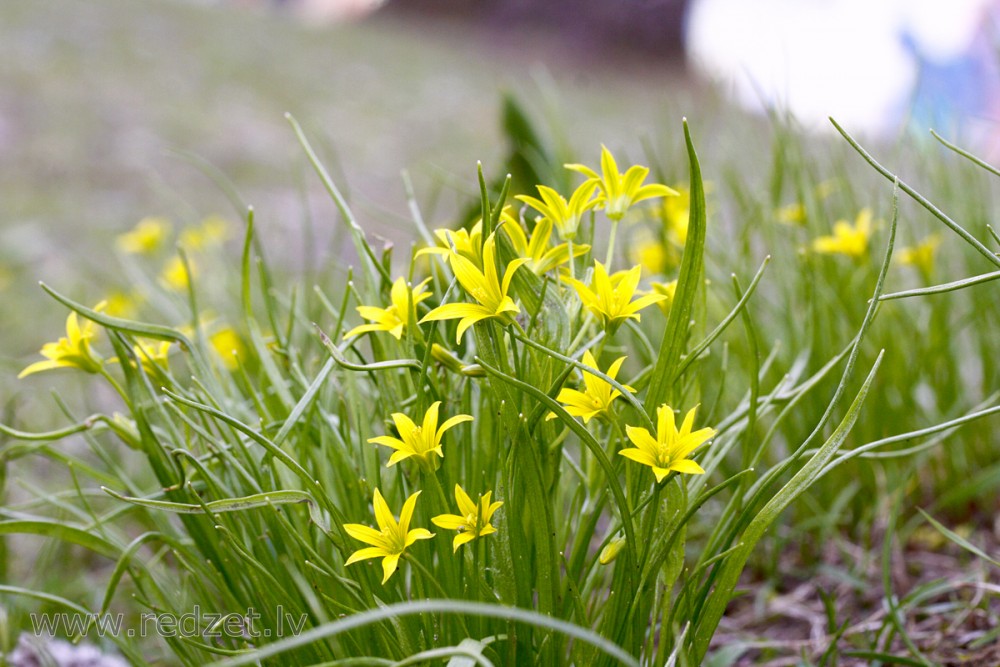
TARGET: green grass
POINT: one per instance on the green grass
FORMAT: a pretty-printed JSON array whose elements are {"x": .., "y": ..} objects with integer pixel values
[{"x": 228, "y": 487}]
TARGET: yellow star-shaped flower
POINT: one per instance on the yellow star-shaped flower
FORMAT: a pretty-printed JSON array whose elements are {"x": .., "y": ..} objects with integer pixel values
[
  {"x": 620, "y": 191},
  {"x": 394, "y": 318},
  {"x": 598, "y": 395},
  {"x": 423, "y": 442},
  {"x": 610, "y": 297},
  {"x": 670, "y": 449},
  {"x": 555, "y": 210},
  {"x": 482, "y": 285},
  {"x": 392, "y": 538},
  {"x": 72, "y": 351},
  {"x": 474, "y": 520}
]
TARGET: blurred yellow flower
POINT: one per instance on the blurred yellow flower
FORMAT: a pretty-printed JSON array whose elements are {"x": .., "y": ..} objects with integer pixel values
[
  {"x": 72, "y": 351},
  {"x": 229, "y": 346},
  {"x": 175, "y": 275},
  {"x": 610, "y": 297},
  {"x": 847, "y": 239},
  {"x": 146, "y": 237},
  {"x": 676, "y": 212},
  {"x": 921, "y": 256},
  {"x": 392, "y": 538},
  {"x": 124, "y": 305},
  {"x": 554, "y": 208},
  {"x": 792, "y": 214},
  {"x": 213, "y": 230},
  {"x": 394, "y": 318},
  {"x": 153, "y": 355},
  {"x": 422, "y": 442},
  {"x": 482, "y": 285},
  {"x": 668, "y": 290},
  {"x": 598, "y": 395},
  {"x": 474, "y": 520},
  {"x": 670, "y": 449},
  {"x": 620, "y": 191},
  {"x": 650, "y": 252}
]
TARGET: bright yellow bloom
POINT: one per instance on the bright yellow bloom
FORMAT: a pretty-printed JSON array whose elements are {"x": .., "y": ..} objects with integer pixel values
[
  {"x": 482, "y": 285},
  {"x": 466, "y": 242},
  {"x": 423, "y": 442},
  {"x": 598, "y": 396},
  {"x": 610, "y": 297},
  {"x": 474, "y": 520},
  {"x": 921, "y": 255},
  {"x": 213, "y": 230},
  {"x": 620, "y": 191},
  {"x": 229, "y": 346},
  {"x": 393, "y": 319},
  {"x": 671, "y": 448},
  {"x": 146, "y": 238},
  {"x": 565, "y": 216},
  {"x": 390, "y": 541},
  {"x": 541, "y": 258},
  {"x": 175, "y": 275},
  {"x": 73, "y": 351},
  {"x": 847, "y": 239}
]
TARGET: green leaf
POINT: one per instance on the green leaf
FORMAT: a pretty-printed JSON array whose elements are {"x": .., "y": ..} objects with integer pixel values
[{"x": 689, "y": 281}]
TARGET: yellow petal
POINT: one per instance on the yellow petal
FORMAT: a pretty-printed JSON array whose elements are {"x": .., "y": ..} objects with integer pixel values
[
  {"x": 383, "y": 515},
  {"x": 687, "y": 466},
  {"x": 365, "y": 554},
  {"x": 389, "y": 564}
]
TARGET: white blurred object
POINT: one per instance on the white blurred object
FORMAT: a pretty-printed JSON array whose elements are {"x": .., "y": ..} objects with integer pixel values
[{"x": 856, "y": 60}]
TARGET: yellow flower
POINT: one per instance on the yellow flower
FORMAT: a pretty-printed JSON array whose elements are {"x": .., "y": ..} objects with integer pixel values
[
  {"x": 541, "y": 258},
  {"x": 668, "y": 290},
  {"x": 565, "y": 216},
  {"x": 390, "y": 541},
  {"x": 466, "y": 242},
  {"x": 921, "y": 255},
  {"x": 650, "y": 253},
  {"x": 847, "y": 239},
  {"x": 213, "y": 230},
  {"x": 175, "y": 275},
  {"x": 676, "y": 212},
  {"x": 153, "y": 355},
  {"x": 146, "y": 238},
  {"x": 620, "y": 191},
  {"x": 610, "y": 297},
  {"x": 482, "y": 285},
  {"x": 474, "y": 520},
  {"x": 229, "y": 346},
  {"x": 671, "y": 448},
  {"x": 792, "y": 214},
  {"x": 73, "y": 351},
  {"x": 393, "y": 319},
  {"x": 423, "y": 442},
  {"x": 599, "y": 395},
  {"x": 123, "y": 305}
]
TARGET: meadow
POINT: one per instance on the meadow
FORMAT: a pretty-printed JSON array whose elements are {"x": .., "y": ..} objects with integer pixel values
[{"x": 722, "y": 392}]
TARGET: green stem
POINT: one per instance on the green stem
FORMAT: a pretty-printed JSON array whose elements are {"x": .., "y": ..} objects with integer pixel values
[{"x": 611, "y": 242}]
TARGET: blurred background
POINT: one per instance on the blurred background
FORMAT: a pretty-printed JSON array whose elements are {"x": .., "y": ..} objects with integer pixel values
[{"x": 114, "y": 110}]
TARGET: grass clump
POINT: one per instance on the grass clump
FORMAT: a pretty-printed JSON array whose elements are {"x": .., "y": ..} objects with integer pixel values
[{"x": 473, "y": 451}]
